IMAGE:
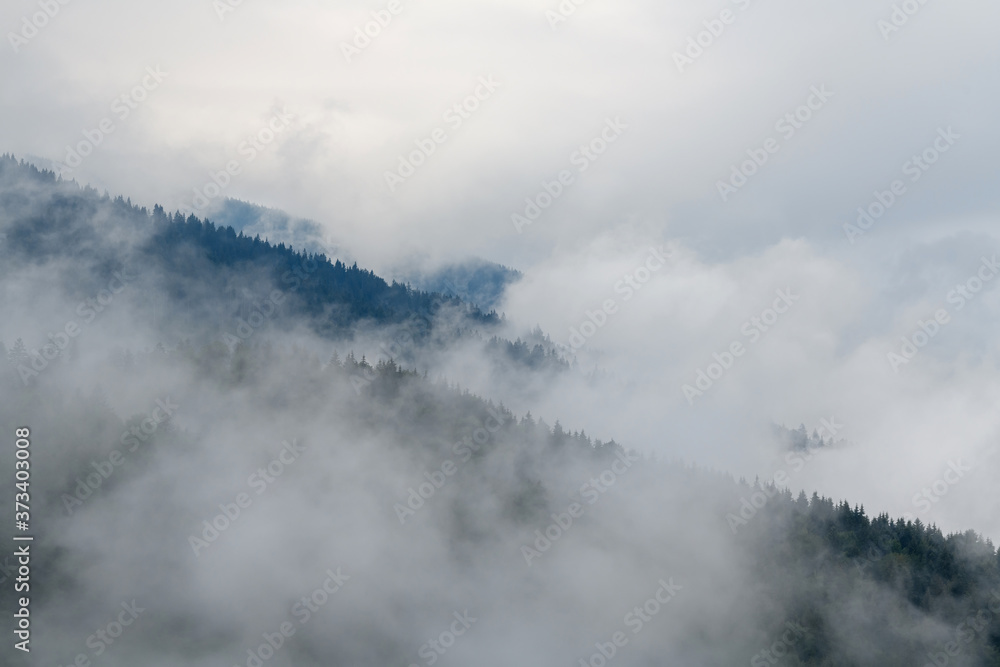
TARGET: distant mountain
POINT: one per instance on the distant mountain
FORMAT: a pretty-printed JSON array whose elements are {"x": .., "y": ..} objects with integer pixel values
[
  {"x": 275, "y": 227},
  {"x": 476, "y": 280}
]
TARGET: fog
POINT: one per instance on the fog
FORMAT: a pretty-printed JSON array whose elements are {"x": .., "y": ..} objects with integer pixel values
[{"x": 791, "y": 223}]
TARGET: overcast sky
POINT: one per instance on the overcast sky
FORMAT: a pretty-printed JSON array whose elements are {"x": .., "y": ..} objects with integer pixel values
[{"x": 199, "y": 78}]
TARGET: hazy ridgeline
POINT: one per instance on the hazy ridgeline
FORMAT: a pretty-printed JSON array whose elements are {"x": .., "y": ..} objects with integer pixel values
[{"x": 202, "y": 457}]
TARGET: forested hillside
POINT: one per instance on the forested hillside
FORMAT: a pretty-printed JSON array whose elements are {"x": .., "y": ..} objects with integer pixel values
[
  {"x": 90, "y": 236},
  {"x": 214, "y": 460},
  {"x": 491, "y": 485}
]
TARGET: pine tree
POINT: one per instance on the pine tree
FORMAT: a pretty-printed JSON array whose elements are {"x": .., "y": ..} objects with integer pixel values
[{"x": 18, "y": 354}]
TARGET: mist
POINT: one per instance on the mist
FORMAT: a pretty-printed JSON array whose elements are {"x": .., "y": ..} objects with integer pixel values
[{"x": 337, "y": 326}]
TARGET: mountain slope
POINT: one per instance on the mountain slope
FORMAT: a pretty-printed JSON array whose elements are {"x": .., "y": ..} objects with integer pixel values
[{"x": 220, "y": 464}]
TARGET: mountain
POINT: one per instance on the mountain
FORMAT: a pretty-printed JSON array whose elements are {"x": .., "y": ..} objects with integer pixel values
[
  {"x": 476, "y": 281},
  {"x": 232, "y": 275},
  {"x": 274, "y": 226},
  {"x": 219, "y": 474}
]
